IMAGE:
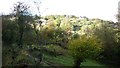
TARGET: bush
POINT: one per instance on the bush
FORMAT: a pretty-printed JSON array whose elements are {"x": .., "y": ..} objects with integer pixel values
[
  {"x": 84, "y": 47},
  {"x": 54, "y": 50}
]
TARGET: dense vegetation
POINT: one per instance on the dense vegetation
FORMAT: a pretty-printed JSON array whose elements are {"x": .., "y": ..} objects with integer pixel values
[{"x": 55, "y": 39}]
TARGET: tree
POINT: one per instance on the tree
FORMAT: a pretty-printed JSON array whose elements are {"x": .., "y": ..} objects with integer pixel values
[
  {"x": 84, "y": 47},
  {"x": 37, "y": 23},
  {"x": 118, "y": 15},
  {"x": 21, "y": 13},
  {"x": 9, "y": 30},
  {"x": 109, "y": 36}
]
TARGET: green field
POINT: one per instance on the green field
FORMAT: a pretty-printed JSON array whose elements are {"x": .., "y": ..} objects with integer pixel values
[{"x": 66, "y": 61}]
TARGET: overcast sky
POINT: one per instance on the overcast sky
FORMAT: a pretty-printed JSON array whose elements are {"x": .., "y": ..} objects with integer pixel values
[{"x": 103, "y": 9}]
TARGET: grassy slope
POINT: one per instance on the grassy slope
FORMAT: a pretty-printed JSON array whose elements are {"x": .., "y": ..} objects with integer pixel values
[
  {"x": 66, "y": 61},
  {"x": 49, "y": 60}
]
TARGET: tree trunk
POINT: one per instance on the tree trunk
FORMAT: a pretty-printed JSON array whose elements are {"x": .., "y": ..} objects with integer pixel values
[
  {"x": 77, "y": 63},
  {"x": 21, "y": 36},
  {"x": 37, "y": 36},
  {"x": 36, "y": 32},
  {"x": 20, "y": 42}
]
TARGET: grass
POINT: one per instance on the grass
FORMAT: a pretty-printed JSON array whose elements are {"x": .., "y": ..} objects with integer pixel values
[
  {"x": 91, "y": 63},
  {"x": 58, "y": 61},
  {"x": 62, "y": 60},
  {"x": 66, "y": 61}
]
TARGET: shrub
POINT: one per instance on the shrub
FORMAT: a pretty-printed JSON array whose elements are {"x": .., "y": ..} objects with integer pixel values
[
  {"x": 84, "y": 47},
  {"x": 54, "y": 50}
]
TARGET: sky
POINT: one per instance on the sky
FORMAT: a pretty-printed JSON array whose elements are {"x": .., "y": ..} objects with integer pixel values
[{"x": 102, "y": 9}]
